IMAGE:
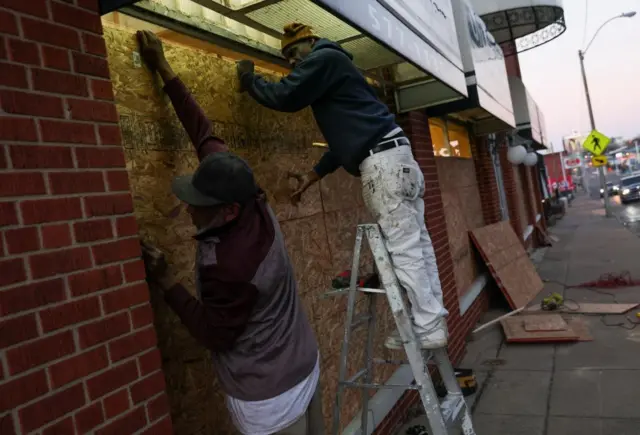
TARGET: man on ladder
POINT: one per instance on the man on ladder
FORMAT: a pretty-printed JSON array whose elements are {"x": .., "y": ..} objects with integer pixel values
[{"x": 365, "y": 140}]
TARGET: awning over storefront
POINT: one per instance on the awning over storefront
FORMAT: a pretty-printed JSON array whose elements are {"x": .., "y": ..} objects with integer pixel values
[
  {"x": 527, "y": 114},
  {"x": 489, "y": 104},
  {"x": 406, "y": 44},
  {"x": 528, "y": 23},
  {"x": 546, "y": 141}
]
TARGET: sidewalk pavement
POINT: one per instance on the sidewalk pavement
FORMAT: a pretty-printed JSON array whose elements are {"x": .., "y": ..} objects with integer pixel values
[{"x": 585, "y": 388}]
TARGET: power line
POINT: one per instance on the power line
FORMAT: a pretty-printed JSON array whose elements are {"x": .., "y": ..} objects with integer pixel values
[{"x": 586, "y": 16}]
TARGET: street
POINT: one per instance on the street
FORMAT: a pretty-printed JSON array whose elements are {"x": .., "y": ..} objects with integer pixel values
[{"x": 628, "y": 214}]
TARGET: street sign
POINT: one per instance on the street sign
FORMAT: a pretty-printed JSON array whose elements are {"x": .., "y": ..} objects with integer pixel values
[
  {"x": 596, "y": 143},
  {"x": 572, "y": 162},
  {"x": 597, "y": 161}
]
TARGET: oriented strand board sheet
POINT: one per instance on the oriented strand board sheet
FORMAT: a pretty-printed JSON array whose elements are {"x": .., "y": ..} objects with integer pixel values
[
  {"x": 510, "y": 266},
  {"x": 463, "y": 212},
  {"x": 589, "y": 308},
  {"x": 515, "y": 332},
  {"x": 319, "y": 233},
  {"x": 580, "y": 326},
  {"x": 535, "y": 323}
]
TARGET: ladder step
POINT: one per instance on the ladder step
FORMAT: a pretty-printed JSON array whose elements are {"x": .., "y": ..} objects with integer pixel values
[
  {"x": 345, "y": 291},
  {"x": 453, "y": 407},
  {"x": 360, "y": 320},
  {"x": 349, "y": 384}
]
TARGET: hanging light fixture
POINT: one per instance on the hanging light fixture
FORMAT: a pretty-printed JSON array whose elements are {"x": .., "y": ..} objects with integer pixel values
[
  {"x": 516, "y": 154},
  {"x": 531, "y": 159}
]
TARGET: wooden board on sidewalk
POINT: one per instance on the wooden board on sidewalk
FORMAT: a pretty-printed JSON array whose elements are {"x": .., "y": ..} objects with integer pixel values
[
  {"x": 587, "y": 308},
  {"x": 508, "y": 262},
  {"x": 579, "y": 325},
  {"x": 515, "y": 332},
  {"x": 535, "y": 323}
]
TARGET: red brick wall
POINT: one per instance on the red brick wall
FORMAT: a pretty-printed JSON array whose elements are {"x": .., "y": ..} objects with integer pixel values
[
  {"x": 535, "y": 179},
  {"x": 416, "y": 127},
  {"x": 511, "y": 191},
  {"x": 487, "y": 183},
  {"x": 78, "y": 347},
  {"x": 527, "y": 190}
]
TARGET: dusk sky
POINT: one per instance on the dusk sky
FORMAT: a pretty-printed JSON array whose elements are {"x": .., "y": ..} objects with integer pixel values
[{"x": 552, "y": 72}]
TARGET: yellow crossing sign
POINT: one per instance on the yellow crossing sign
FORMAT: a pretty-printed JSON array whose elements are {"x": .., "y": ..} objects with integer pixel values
[
  {"x": 597, "y": 161},
  {"x": 596, "y": 143}
]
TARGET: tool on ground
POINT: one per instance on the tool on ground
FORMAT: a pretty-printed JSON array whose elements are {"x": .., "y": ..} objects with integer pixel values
[
  {"x": 552, "y": 302},
  {"x": 453, "y": 411},
  {"x": 467, "y": 381},
  {"x": 343, "y": 279}
]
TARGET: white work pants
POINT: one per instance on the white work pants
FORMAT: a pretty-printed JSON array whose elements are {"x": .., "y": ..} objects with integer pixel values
[{"x": 393, "y": 187}]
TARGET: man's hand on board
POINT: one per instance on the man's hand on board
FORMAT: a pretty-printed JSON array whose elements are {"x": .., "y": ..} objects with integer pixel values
[
  {"x": 156, "y": 266},
  {"x": 244, "y": 67},
  {"x": 152, "y": 53}
]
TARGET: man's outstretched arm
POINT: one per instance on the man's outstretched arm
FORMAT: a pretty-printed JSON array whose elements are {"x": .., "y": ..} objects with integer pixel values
[
  {"x": 302, "y": 87},
  {"x": 193, "y": 119}
]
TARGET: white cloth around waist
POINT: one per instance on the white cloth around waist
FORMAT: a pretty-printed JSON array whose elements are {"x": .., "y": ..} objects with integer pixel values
[{"x": 265, "y": 417}]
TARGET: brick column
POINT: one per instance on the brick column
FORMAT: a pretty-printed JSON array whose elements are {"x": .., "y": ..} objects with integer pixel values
[
  {"x": 527, "y": 187},
  {"x": 485, "y": 174},
  {"x": 535, "y": 178},
  {"x": 511, "y": 191},
  {"x": 77, "y": 348}
]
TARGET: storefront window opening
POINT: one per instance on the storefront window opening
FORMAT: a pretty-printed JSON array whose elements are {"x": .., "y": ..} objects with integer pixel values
[{"x": 449, "y": 138}]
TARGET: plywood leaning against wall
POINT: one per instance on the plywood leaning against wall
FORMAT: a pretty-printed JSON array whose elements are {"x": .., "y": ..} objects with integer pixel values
[
  {"x": 463, "y": 210},
  {"x": 319, "y": 233},
  {"x": 508, "y": 263}
]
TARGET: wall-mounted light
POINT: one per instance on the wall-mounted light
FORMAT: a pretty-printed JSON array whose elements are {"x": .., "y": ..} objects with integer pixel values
[
  {"x": 531, "y": 159},
  {"x": 516, "y": 154}
]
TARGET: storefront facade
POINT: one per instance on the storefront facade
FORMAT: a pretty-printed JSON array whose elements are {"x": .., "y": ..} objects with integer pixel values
[{"x": 87, "y": 349}]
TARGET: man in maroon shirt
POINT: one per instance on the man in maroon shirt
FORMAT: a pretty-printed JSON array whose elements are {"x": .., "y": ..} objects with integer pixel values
[{"x": 247, "y": 312}]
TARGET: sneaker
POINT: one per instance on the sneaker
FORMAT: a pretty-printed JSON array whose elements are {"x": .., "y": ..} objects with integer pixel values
[{"x": 434, "y": 339}]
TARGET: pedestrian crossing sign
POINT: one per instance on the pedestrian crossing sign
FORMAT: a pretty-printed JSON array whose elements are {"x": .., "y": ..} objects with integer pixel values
[{"x": 596, "y": 143}]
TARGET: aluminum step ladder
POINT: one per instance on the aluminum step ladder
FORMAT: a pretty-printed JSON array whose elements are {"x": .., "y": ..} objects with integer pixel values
[{"x": 446, "y": 418}]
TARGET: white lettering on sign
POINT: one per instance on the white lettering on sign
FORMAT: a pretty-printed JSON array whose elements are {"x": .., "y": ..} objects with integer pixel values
[
  {"x": 398, "y": 34},
  {"x": 572, "y": 162},
  {"x": 372, "y": 14}
]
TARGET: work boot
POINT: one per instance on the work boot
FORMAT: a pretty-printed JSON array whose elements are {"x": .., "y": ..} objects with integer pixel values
[{"x": 434, "y": 339}]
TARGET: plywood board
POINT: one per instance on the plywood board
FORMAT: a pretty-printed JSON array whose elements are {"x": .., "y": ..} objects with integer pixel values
[
  {"x": 534, "y": 323},
  {"x": 588, "y": 308},
  {"x": 580, "y": 326},
  {"x": 463, "y": 212},
  {"x": 319, "y": 233},
  {"x": 508, "y": 262},
  {"x": 515, "y": 332}
]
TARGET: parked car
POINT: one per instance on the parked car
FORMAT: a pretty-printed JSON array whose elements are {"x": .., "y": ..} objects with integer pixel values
[
  {"x": 612, "y": 189},
  {"x": 630, "y": 188}
]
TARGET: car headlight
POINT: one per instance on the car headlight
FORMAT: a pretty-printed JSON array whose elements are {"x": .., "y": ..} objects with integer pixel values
[
  {"x": 626, "y": 191},
  {"x": 601, "y": 190},
  {"x": 616, "y": 187}
]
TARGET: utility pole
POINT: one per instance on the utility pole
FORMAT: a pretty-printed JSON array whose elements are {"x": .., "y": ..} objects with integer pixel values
[{"x": 603, "y": 181}]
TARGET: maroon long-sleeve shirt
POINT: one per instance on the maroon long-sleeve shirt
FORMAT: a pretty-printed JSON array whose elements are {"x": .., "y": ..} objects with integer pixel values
[
  {"x": 226, "y": 296},
  {"x": 248, "y": 312}
]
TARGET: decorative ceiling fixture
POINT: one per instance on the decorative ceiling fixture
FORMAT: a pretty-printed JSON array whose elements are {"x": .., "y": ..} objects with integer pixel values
[
  {"x": 541, "y": 37},
  {"x": 523, "y": 23}
]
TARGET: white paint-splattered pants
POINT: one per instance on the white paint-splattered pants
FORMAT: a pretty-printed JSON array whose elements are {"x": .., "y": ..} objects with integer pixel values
[{"x": 393, "y": 187}]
